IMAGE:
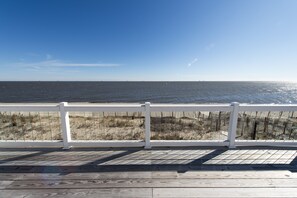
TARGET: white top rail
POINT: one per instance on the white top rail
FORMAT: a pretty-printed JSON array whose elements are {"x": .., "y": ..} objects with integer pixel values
[
  {"x": 267, "y": 107},
  {"x": 141, "y": 107},
  {"x": 106, "y": 108},
  {"x": 189, "y": 107},
  {"x": 29, "y": 108}
]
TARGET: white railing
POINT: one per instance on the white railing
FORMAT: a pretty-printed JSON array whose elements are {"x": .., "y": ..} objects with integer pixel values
[{"x": 64, "y": 108}]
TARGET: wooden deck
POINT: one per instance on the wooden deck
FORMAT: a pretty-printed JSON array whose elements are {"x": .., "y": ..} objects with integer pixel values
[{"x": 170, "y": 172}]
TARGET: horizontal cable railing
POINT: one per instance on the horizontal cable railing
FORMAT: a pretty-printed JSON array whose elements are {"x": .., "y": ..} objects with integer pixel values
[{"x": 146, "y": 125}]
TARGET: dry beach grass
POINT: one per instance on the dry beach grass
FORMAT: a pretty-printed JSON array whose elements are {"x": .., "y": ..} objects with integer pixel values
[{"x": 164, "y": 126}]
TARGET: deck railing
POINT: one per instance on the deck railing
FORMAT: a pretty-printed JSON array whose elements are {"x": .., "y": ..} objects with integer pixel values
[{"x": 147, "y": 109}]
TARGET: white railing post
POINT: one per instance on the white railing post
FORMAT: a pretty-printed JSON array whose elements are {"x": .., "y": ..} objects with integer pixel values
[
  {"x": 147, "y": 126},
  {"x": 65, "y": 125},
  {"x": 233, "y": 124}
]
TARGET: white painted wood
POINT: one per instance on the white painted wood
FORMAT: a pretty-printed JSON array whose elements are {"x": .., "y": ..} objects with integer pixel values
[
  {"x": 147, "y": 126},
  {"x": 184, "y": 143},
  {"x": 28, "y": 144},
  {"x": 141, "y": 108},
  {"x": 105, "y": 108},
  {"x": 276, "y": 143},
  {"x": 66, "y": 135},
  {"x": 135, "y": 143},
  {"x": 188, "y": 108},
  {"x": 29, "y": 108},
  {"x": 233, "y": 124},
  {"x": 267, "y": 107},
  {"x": 108, "y": 143}
]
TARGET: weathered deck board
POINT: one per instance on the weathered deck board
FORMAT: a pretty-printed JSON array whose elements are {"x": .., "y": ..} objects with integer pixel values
[
  {"x": 4, "y": 184},
  {"x": 155, "y": 192},
  {"x": 153, "y": 183},
  {"x": 224, "y": 192},
  {"x": 226, "y": 174},
  {"x": 166, "y": 172},
  {"x": 283, "y": 174},
  {"x": 79, "y": 193}
]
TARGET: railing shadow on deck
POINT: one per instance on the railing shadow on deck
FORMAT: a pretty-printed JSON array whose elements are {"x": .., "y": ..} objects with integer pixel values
[{"x": 157, "y": 159}]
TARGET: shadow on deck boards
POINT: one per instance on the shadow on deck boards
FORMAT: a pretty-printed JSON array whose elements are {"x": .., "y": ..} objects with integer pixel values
[{"x": 158, "y": 159}]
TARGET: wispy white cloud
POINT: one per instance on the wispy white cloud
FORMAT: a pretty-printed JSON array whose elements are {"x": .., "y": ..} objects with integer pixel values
[
  {"x": 192, "y": 62},
  {"x": 59, "y": 63}
]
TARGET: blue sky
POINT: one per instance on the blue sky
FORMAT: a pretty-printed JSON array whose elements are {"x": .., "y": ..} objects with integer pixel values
[{"x": 185, "y": 40}]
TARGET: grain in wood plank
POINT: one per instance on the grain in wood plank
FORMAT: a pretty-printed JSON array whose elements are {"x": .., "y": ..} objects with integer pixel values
[
  {"x": 74, "y": 176},
  {"x": 225, "y": 174},
  {"x": 4, "y": 183},
  {"x": 224, "y": 192},
  {"x": 79, "y": 193},
  {"x": 283, "y": 174},
  {"x": 154, "y": 183}
]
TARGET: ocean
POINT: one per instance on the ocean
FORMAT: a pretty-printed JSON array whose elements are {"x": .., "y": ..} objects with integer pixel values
[{"x": 155, "y": 92}]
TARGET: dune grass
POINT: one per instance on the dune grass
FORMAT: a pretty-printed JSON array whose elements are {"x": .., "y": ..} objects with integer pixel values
[{"x": 164, "y": 126}]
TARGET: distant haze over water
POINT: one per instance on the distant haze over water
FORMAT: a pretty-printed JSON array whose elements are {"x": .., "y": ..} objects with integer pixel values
[{"x": 155, "y": 92}]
